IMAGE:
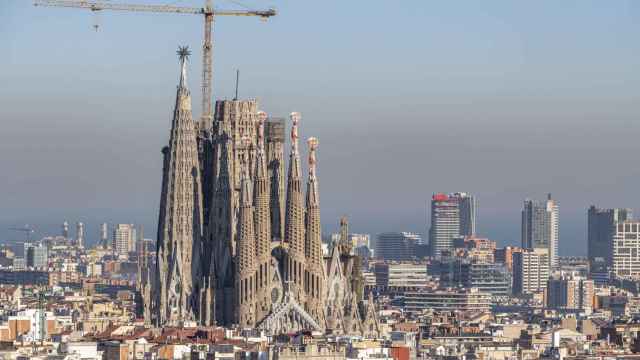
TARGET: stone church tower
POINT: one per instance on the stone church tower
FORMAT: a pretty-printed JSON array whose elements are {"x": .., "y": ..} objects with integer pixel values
[
  {"x": 256, "y": 260},
  {"x": 180, "y": 218}
]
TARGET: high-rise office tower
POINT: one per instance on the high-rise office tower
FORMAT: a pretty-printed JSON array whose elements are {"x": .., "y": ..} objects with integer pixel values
[
  {"x": 445, "y": 223},
  {"x": 468, "y": 213},
  {"x": 540, "y": 221},
  {"x": 625, "y": 254},
  {"x": 180, "y": 216},
  {"x": 601, "y": 229},
  {"x": 80, "y": 234},
  {"x": 397, "y": 246},
  {"x": 65, "y": 229},
  {"x": 104, "y": 235}
]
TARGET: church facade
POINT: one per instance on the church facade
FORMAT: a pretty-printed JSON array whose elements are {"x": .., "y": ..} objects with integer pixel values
[{"x": 240, "y": 241}]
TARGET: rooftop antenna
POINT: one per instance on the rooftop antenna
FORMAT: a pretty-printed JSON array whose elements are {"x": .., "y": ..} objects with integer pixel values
[{"x": 237, "y": 82}]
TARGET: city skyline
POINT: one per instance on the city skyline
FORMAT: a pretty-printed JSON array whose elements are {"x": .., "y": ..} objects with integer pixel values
[{"x": 509, "y": 75}]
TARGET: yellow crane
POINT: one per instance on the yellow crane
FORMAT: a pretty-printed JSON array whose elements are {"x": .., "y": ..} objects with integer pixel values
[{"x": 207, "y": 44}]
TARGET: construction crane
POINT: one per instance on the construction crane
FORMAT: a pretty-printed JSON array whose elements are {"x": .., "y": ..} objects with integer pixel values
[
  {"x": 27, "y": 230},
  {"x": 207, "y": 45}
]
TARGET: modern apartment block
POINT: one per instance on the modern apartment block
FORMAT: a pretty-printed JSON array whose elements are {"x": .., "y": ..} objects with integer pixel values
[
  {"x": 530, "y": 270},
  {"x": 488, "y": 277},
  {"x": 570, "y": 292},
  {"x": 401, "y": 276},
  {"x": 505, "y": 256},
  {"x": 601, "y": 228},
  {"x": 540, "y": 227},
  {"x": 448, "y": 300},
  {"x": 626, "y": 250},
  {"x": 123, "y": 238}
]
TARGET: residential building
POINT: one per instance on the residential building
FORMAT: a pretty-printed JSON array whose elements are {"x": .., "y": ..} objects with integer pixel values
[
  {"x": 530, "y": 270},
  {"x": 492, "y": 278},
  {"x": 540, "y": 222},
  {"x": 123, "y": 238},
  {"x": 471, "y": 299},
  {"x": 570, "y": 292},
  {"x": 401, "y": 275},
  {"x": 505, "y": 256},
  {"x": 626, "y": 250}
]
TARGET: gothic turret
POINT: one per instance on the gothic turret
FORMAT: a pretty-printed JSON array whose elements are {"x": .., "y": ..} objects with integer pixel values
[
  {"x": 261, "y": 196},
  {"x": 220, "y": 235},
  {"x": 315, "y": 275},
  {"x": 246, "y": 264},
  {"x": 180, "y": 220},
  {"x": 294, "y": 218}
]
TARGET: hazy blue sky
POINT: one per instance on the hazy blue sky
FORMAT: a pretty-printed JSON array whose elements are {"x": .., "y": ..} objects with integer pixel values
[{"x": 503, "y": 99}]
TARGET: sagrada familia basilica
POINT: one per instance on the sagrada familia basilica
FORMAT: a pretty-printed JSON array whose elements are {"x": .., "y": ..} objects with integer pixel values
[{"x": 240, "y": 243}]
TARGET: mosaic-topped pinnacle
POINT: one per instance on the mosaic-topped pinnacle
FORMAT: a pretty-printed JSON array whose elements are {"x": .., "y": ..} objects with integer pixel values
[
  {"x": 313, "y": 146},
  {"x": 295, "y": 119},
  {"x": 262, "y": 118}
]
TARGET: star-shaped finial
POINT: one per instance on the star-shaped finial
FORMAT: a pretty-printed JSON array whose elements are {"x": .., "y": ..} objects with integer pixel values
[{"x": 183, "y": 52}]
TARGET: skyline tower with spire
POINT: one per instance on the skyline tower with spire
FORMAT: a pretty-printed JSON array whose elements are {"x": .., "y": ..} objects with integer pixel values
[{"x": 180, "y": 215}]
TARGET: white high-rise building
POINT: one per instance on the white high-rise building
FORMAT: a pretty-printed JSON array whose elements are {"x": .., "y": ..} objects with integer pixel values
[
  {"x": 445, "y": 223},
  {"x": 540, "y": 227},
  {"x": 530, "y": 270},
  {"x": 65, "y": 229},
  {"x": 123, "y": 238},
  {"x": 80, "y": 234},
  {"x": 626, "y": 250},
  {"x": 104, "y": 235}
]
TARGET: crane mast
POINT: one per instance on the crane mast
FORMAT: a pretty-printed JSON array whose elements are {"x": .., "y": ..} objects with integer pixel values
[
  {"x": 206, "y": 116},
  {"x": 207, "y": 44}
]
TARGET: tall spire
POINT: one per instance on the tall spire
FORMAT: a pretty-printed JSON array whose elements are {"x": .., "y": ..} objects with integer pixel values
[
  {"x": 294, "y": 220},
  {"x": 183, "y": 54},
  {"x": 315, "y": 277},
  {"x": 261, "y": 197},
  {"x": 245, "y": 266},
  {"x": 221, "y": 234},
  {"x": 180, "y": 220}
]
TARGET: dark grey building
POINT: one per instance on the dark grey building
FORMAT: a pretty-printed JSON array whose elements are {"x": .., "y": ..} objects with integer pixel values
[
  {"x": 398, "y": 246},
  {"x": 540, "y": 227},
  {"x": 601, "y": 228}
]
